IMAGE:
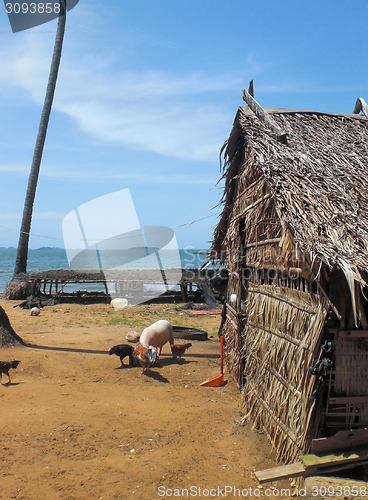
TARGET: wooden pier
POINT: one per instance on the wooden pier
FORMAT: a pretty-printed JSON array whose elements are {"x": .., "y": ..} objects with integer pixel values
[{"x": 123, "y": 283}]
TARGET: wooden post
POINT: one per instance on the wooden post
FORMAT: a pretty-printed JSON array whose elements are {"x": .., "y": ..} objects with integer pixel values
[
  {"x": 251, "y": 88},
  {"x": 265, "y": 117},
  {"x": 183, "y": 288},
  {"x": 107, "y": 291},
  {"x": 361, "y": 105}
]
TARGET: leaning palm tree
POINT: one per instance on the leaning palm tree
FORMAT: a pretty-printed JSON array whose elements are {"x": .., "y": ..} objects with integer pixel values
[{"x": 22, "y": 251}]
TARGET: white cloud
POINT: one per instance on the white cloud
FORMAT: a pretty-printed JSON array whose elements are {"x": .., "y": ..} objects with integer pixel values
[
  {"x": 163, "y": 115},
  {"x": 153, "y": 111},
  {"x": 36, "y": 216},
  {"x": 133, "y": 175},
  {"x": 10, "y": 168}
]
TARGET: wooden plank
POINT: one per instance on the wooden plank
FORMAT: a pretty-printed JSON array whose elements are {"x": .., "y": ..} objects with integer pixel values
[
  {"x": 280, "y": 472},
  {"x": 299, "y": 470},
  {"x": 257, "y": 181},
  {"x": 250, "y": 207},
  {"x": 339, "y": 414},
  {"x": 265, "y": 117},
  {"x": 278, "y": 333},
  {"x": 361, "y": 105},
  {"x": 235, "y": 326},
  {"x": 330, "y": 468},
  {"x": 183, "y": 289},
  {"x": 339, "y": 458},
  {"x": 353, "y": 334},
  {"x": 349, "y": 400},
  {"x": 231, "y": 309},
  {"x": 341, "y": 440},
  {"x": 273, "y": 414},
  {"x": 251, "y": 88},
  {"x": 283, "y": 298},
  {"x": 279, "y": 377},
  {"x": 263, "y": 242}
]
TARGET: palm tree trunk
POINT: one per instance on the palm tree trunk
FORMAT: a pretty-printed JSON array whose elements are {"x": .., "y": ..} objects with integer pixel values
[{"x": 22, "y": 252}]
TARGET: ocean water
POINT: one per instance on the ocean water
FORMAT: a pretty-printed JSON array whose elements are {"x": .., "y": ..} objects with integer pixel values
[{"x": 47, "y": 258}]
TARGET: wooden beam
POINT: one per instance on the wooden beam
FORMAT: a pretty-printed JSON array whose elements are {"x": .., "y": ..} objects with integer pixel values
[
  {"x": 107, "y": 292},
  {"x": 250, "y": 207},
  {"x": 314, "y": 464},
  {"x": 231, "y": 309},
  {"x": 282, "y": 298},
  {"x": 349, "y": 400},
  {"x": 339, "y": 458},
  {"x": 278, "y": 333},
  {"x": 281, "y": 472},
  {"x": 183, "y": 289},
  {"x": 353, "y": 334},
  {"x": 263, "y": 242},
  {"x": 279, "y": 377},
  {"x": 265, "y": 117},
  {"x": 251, "y": 88},
  {"x": 341, "y": 440},
  {"x": 272, "y": 413},
  {"x": 361, "y": 105}
]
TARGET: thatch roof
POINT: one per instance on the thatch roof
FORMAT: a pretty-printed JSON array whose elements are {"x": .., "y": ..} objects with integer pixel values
[{"x": 318, "y": 180}]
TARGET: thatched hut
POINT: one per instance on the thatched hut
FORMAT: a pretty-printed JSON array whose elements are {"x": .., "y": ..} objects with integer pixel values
[{"x": 294, "y": 237}]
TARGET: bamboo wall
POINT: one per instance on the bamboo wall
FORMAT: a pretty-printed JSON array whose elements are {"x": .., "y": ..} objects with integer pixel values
[
  {"x": 275, "y": 196},
  {"x": 274, "y": 320},
  {"x": 281, "y": 337},
  {"x": 347, "y": 397}
]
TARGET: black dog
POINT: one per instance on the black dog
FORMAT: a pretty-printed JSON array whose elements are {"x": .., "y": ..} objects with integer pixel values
[
  {"x": 5, "y": 367},
  {"x": 123, "y": 350}
]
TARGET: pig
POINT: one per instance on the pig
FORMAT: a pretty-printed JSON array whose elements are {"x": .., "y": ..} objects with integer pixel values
[{"x": 157, "y": 335}]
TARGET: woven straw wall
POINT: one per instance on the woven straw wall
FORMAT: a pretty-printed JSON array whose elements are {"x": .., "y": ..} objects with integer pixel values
[
  {"x": 274, "y": 319},
  {"x": 281, "y": 337}
]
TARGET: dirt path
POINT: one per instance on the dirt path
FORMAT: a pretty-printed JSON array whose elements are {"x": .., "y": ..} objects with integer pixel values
[{"x": 76, "y": 427}]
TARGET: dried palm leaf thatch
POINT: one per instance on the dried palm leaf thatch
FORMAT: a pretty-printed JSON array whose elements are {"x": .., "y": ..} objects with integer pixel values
[
  {"x": 318, "y": 183},
  {"x": 292, "y": 213},
  {"x": 234, "y": 357},
  {"x": 281, "y": 338}
]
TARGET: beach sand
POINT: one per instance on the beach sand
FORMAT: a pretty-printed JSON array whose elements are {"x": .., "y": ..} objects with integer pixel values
[{"x": 74, "y": 426}]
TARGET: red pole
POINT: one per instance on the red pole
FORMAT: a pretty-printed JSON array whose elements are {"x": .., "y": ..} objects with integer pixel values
[{"x": 222, "y": 354}]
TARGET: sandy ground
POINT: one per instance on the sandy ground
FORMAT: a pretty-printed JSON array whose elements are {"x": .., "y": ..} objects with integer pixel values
[{"x": 75, "y": 426}]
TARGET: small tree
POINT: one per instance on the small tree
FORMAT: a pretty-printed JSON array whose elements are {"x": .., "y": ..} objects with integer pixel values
[{"x": 8, "y": 337}]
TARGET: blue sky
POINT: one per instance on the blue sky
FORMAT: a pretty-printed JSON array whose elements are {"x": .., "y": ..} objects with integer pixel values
[{"x": 146, "y": 97}]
